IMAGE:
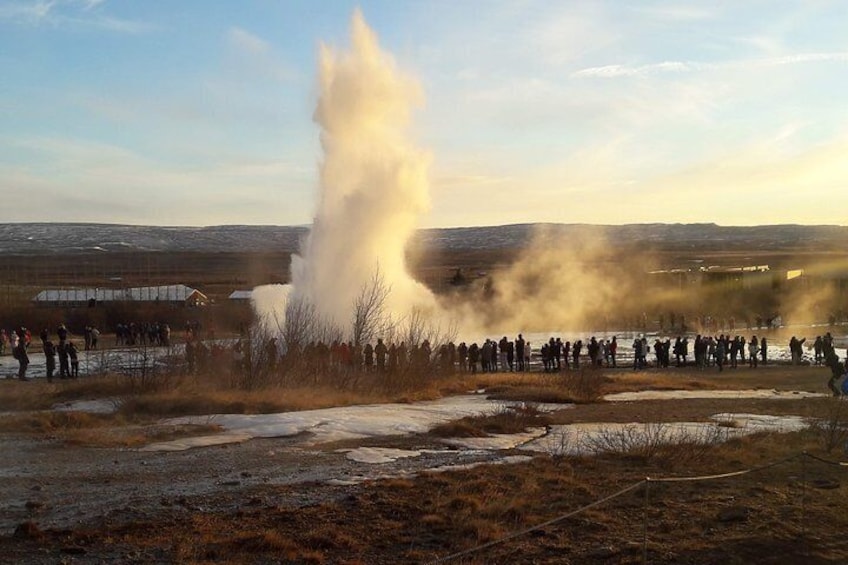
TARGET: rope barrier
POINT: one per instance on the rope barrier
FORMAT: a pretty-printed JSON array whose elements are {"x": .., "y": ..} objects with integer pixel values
[
  {"x": 514, "y": 535},
  {"x": 826, "y": 461},
  {"x": 645, "y": 482},
  {"x": 725, "y": 475}
]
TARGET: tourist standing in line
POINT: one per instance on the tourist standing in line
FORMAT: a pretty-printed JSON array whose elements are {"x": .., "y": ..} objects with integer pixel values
[
  {"x": 753, "y": 350},
  {"x": 20, "y": 353},
  {"x": 764, "y": 350}
]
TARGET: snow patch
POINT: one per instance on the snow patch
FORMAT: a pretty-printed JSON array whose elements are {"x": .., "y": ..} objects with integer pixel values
[
  {"x": 496, "y": 441},
  {"x": 510, "y": 459},
  {"x": 592, "y": 438},
  {"x": 199, "y": 441},
  {"x": 99, "y": 406},
  {"x": 708, "y": 394},
  {"x": 379, "y": 455},
  {"x": 351, "y": 422}
]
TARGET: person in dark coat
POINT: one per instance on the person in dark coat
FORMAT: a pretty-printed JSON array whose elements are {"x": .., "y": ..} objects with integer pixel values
[
  {"x": 764, "y": 350},
  {"x": 50, "y": 358},
  {"x": 20, "y": 353},
  {"x": 72, "y": 355},
  {"x": 64, "y": 361}
]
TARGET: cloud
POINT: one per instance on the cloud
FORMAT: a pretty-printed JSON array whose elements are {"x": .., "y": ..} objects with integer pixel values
[
  {"x": 246, "y": 41},
  {"x": 676, "y": 12},
  {"x": 250, "y": 54},
  {"x": 766, "y": 182},
  {"x": 26, "y": 12},
  {"x": 665, "y": 67},
  {"x": 91, "y": 181},
  {"x": 75, "y": 14},
  {"x": 775, "y": 179},
  {"x": 566, "y": 35},
  {"x": 460, "y": 181}
]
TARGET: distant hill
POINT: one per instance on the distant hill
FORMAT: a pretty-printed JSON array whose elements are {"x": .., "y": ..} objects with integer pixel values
[{"x": 48, "y": 238}]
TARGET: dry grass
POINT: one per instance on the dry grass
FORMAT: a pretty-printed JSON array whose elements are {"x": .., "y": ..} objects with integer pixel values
[
  {"x": 507, "y": 420},
  {"x": 96, "y": 430},
  {"x": 832, "y": 424},
  {"x": 41, "y": 395},
  {"x": 198, "y": 395},
  {"x": 672, "y": 379},
  {"x": 772, "y": 376},
  {"x": 418, "y": 520},
  {"x": 53, "y": 422}
]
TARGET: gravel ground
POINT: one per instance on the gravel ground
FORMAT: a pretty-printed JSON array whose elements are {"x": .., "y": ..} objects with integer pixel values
[{"x": 59, "y": 486}]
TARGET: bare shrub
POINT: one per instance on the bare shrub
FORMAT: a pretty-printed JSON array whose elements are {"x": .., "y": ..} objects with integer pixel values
[
  {"x": 561, "y": 443},
  {"x": 300, "y": 325},
  {"x": 658, "y": 441},
  {"x": 417, "y": 327},
  {"x": 585, "y": 385},
  {"x": 370, "y": 319},
  {"x": 832, "y": 428}
]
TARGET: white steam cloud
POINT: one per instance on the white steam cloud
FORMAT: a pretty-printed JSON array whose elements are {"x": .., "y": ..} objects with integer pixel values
[{"x": 374, "y": 184}]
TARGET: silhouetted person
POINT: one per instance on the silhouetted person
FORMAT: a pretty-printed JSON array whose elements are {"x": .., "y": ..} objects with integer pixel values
[
  {"x": 519, "y": 352},
  {"x": 50, "y": 358},
  {"x": 20, "y": 353},
  {"x": 74, "y": 359},
  {"x": 380, "y": 352},
  {"x": 764, "y": 350}
]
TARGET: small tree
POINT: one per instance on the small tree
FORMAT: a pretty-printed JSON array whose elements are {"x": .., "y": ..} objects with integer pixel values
[{"x": 370, "y": 318}]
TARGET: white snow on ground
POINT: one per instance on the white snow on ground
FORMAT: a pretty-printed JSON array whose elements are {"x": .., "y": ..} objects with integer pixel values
[
  {"x": 351, "y": 422},
  {"x": 378, "y": 455},
  {"x": 99, "y": 406},
  {"x": 707, "y": 394},
  {"x": 502, "y": 461},
  {"x": 590, "y": 438},
  {"x": 761, "y": 422},
  {"x": 359, "y": 479},
  {"x": 496, "y": 441},
  {"x": 200, "y": 441},
  {"x": 363, "y": 422}
]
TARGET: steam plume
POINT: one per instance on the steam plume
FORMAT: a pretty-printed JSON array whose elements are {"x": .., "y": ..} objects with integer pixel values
[{"x": 373, "y": 182}]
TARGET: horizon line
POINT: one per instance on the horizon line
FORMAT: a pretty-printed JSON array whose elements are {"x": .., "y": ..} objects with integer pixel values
[{"x": 423, "y": 228}]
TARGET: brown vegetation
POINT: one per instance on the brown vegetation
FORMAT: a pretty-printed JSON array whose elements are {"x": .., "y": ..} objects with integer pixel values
[{"x": 774, "y": 515}]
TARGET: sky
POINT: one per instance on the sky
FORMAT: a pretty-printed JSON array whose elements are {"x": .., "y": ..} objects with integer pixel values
[{"x": 608, "y": 112}]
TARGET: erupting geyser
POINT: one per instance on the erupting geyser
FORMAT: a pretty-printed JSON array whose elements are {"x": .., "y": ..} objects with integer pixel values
[{"x": 373, "y": 184}]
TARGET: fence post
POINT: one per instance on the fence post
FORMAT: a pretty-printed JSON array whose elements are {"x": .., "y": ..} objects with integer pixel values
[
  {"x": 804, "y": 494},
  {"x": 645, "y": 521}
]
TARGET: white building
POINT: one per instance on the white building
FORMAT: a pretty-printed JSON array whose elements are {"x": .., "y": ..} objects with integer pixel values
[{"x": 171, "y": 294}]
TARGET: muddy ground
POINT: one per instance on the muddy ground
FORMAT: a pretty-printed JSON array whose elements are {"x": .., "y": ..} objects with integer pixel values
[{"x": 262, "y": 501}]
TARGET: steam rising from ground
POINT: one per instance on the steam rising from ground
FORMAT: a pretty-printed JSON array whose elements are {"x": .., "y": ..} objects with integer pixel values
[
  {"x": 557, "y": 283},
  {"x": 374, "y": 184}
]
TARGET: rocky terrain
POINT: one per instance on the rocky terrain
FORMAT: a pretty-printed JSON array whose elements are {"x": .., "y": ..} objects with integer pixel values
[{"x": 47, "y": 238}]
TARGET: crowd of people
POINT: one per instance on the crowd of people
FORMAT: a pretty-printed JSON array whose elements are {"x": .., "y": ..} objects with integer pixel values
[
  {"x": 708, "y": 351},
  {"x": 66, "y": 350},
  {"x": 145, "y": 333},
  {"x": 19, "y": 341},
  {"x": 492, "y": 355},
  {"x": 508, "y": 355}
]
